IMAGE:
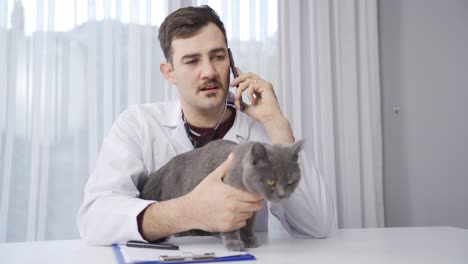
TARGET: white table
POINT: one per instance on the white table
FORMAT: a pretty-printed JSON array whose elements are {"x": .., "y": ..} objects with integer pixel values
[{"x": 377, "y": 245}]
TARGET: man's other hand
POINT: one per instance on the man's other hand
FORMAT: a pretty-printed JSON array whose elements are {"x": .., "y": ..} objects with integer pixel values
[{"x": 215, "y": 206}]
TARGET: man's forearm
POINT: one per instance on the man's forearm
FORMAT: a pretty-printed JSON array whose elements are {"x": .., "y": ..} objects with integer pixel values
[{"x": 162, "y": 219}]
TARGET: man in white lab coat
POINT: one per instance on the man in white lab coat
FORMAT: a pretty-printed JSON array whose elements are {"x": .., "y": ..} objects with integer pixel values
[{"x": 145, "y": 137}]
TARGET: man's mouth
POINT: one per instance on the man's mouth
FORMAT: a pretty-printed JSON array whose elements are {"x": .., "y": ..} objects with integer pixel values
[{"x": 208, "y": 88}]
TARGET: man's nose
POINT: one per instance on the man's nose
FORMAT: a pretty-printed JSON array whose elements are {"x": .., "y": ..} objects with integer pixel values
[{"x": 208, "y": 70}]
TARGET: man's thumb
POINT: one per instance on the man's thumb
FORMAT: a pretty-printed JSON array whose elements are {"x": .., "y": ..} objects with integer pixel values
[{"x": 222, "y": 169}]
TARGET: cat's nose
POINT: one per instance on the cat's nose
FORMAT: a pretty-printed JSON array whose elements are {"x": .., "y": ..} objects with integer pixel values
[{"x": 281, "y": 193}]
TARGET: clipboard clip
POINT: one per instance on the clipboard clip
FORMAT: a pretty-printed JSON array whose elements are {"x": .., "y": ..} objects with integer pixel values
[{"x": 186, "y": 256}]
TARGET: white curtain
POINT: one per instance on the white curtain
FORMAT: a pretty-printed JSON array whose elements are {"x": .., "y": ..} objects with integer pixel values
[
  {"x": 330, "y": 90},
  {"x": 68, "y": 68}
]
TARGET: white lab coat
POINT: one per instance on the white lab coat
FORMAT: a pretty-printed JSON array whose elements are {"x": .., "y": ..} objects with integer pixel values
[{"x": 144, "y": 138}]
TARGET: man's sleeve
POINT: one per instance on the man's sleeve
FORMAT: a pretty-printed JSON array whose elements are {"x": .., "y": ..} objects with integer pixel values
[
  {"x": 310, "y": 210},
  {"x": 110, "y": 207}
]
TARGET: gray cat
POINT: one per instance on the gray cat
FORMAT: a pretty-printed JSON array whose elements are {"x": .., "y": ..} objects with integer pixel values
[{"x": 270, "y": 171}]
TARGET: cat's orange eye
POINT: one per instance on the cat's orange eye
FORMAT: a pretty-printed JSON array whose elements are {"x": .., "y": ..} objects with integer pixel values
[{"x": 271, "y": 183}]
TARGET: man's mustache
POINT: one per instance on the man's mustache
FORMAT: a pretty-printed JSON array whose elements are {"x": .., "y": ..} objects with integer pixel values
[{"x": 211, "y": 83}]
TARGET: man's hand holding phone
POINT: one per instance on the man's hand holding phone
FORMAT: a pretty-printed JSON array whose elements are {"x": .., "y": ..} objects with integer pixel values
[{"x": 263, "y": 102}]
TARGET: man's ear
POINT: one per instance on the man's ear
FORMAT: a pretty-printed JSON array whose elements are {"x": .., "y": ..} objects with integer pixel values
[{"x": 167, "y": 71}]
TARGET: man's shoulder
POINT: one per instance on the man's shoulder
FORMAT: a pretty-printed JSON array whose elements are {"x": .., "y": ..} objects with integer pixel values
[{"x": 162, "y": 108}]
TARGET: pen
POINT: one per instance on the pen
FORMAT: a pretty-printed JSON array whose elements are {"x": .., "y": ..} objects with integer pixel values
[{"x": 141, "y": 244}]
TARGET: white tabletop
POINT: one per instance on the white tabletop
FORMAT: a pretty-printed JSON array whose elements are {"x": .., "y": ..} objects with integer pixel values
[{"x": 376, "y": 245}]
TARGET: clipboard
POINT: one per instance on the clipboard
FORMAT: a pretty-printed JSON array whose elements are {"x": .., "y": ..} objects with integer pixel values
[{"x": 182, "y": 257}]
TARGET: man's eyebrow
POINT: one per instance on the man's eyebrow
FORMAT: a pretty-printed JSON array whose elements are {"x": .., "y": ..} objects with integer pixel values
[
  {"x": 197, "y": 55},
  {"x": 216, "y": 50},
  {"x": 190, "y": 56}
]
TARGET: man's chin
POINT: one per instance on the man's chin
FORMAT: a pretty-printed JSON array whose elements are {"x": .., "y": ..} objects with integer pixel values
[
  {"x": 215, "y": 105},
  {"x": 214, "y": 99},
  {"x": 210, "y": 104}
]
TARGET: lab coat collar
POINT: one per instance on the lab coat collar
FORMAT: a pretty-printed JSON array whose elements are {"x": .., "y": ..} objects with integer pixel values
[{"x": 173, "y": 115}]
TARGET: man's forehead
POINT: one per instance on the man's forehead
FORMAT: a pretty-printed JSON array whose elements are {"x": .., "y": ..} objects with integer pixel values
[{"x": 206, "y": 40}]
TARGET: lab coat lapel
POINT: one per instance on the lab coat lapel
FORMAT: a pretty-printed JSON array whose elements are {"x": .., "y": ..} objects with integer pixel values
[
  {"x": 239, "y": 131},
  {"x": 172, "y": 120},
  {"x": 180, "y": 141}
]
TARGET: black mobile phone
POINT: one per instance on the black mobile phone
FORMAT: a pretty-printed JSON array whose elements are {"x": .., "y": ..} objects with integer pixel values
[{"x": 234, "y": 73}]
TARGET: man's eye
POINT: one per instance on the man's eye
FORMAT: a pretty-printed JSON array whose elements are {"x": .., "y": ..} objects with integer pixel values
[
  {"x": 220, "y": 57},
  {"x": 191, "y": 62}
]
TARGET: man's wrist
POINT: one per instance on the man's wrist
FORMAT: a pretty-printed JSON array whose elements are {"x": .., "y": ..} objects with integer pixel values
[
  {"x": 279, "y": 130},
  {"x": 186, "y": 214},
  {"x": 162, "y": 219}
]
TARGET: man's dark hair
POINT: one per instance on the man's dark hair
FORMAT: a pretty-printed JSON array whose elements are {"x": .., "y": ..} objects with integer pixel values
[{"x": 184, "y": 23}]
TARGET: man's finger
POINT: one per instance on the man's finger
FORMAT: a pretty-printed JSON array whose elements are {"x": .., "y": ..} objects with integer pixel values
[
  {"x": 244, "y": 196},
  {"x": 239, "y": 72},
  {"x": 240, "y": 225},
  {"x": 250, "y": 207},
  {"x": 244, "y": 215},
  {"x": 240, "y": 89},
  {"x": 222, "y": 169},
  {"x": 250, "y": 94},
  {"x": 244, "y": 105},
  {"x": 237, "y": 103}
]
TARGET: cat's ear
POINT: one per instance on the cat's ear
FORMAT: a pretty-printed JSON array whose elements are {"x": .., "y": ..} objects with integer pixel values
[
  {"x": 258, "y": 155},
  {"x": 295, "y": 149}
]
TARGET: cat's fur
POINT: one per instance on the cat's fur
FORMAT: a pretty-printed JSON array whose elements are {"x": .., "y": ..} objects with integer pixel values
[{"x": 254, "y": 164}]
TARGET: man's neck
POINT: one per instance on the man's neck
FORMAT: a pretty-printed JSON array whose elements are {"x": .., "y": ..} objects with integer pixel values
[{"x": 207, "y": 119}]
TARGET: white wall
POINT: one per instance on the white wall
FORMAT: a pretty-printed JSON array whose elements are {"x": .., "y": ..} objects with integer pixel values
[{"x": 424, "y": 71}]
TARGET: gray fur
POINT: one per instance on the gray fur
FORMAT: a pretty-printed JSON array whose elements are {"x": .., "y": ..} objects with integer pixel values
[{"x": 254, "y": 163}]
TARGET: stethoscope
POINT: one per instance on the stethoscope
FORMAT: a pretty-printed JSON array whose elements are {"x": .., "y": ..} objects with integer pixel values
[{"x": 190, "y": 133}]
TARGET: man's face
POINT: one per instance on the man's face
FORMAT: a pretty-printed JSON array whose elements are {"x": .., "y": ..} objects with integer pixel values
[{"x": 200, "y": 69}]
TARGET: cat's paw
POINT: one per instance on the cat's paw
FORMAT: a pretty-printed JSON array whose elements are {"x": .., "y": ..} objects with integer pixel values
[
  {"x": 250, "y": 242},
  {"x": 234, "y": 245}
]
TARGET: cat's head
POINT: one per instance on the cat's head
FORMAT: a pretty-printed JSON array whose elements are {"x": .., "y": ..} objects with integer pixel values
[{"x": 272, "y": 171}]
